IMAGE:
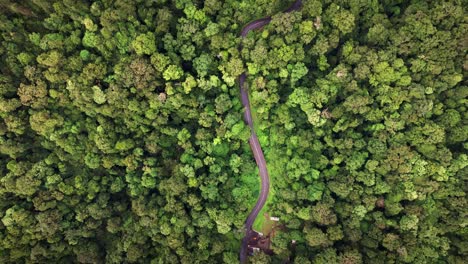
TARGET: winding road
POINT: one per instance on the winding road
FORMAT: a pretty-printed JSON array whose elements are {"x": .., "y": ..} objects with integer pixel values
[{"x": 253, "y": 140}]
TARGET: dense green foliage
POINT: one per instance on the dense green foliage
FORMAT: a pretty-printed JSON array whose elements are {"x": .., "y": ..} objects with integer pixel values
[{"x": 122, "y": 140}]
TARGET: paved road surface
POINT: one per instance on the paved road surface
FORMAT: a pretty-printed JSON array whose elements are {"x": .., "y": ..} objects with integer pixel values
[{"x": 253, "y": 140}]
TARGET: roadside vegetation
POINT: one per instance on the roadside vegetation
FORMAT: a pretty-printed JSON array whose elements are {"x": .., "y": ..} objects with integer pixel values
[{"x": 122, "y": 139}]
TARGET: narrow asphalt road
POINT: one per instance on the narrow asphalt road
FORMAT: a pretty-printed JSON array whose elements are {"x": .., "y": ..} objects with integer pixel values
[{"x": 253, "y": 140}]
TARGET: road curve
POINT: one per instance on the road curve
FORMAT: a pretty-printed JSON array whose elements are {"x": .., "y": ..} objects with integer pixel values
[{"x": 253, "y": 140}]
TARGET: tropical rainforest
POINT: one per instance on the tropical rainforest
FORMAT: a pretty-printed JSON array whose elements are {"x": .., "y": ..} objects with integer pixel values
[{"x": 122, "y": 138}]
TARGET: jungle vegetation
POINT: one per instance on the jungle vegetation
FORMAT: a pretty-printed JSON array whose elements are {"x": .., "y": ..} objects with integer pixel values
[{"x": 122, "y": 139}]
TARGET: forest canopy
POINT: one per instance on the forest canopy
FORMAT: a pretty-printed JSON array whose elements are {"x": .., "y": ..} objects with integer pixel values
[{"x": 122, "y": 138}]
